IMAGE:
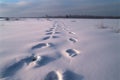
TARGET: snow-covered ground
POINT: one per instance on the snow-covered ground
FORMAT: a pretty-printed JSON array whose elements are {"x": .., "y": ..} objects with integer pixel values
[{"x": 60, "y": 49}]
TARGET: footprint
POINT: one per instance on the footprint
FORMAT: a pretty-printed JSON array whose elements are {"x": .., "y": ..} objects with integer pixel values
[
  {"x": 14, "y": 68},
  {"x": 57, "y": 32},
  {"x": 49, "y": 33},
  {"x": 69, "y": 75},
  {"x": 46, "y": 38},
  {"x": 41, "y": 45},
  {"x": 38, "y": 61},
  {"x": 72, "y": 33},
  {"x": 72, "y": 52},
  {"x": 54, "y": 75},
  {"x": 48, "y": 30},
  {"x": 55, "y": 37},
  {"x": 73, "y": 40},
  {"x": 51, "y": 28}
]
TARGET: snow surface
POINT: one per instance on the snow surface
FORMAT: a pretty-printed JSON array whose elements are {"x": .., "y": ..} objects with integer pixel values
[{"x": 60, "y": 49}]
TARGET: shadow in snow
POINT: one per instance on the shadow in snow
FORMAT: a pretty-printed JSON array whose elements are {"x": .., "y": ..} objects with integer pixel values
[
  {"x": 57, "y": 32},
  {"x": 52, "y": 76},
  {"x": 55, "y": 37},
  {"x": 45, "y": 60},
  {"x": 48, "y": 30},
  {"x": 52, "y": 45},
  {"x": 49, "y": 33},
  {"x": 72, "y": 52},
  {"x": 73, "y": 40},
  {"x": 41, "y": 45},
  {"x": 69, "y": 75},
  {"x": 11, "y": 70},
  {"x": 46, "y": 38}
]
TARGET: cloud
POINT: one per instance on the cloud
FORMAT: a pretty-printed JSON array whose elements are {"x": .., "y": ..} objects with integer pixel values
[
  {"x": 22, "y": 3},
  {"x": 60, "y": 7}
]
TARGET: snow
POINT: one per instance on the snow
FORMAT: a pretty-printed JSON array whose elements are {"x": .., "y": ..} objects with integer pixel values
[{"x": 60, "y": 49}]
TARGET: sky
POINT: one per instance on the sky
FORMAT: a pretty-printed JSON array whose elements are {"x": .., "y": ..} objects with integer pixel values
[{"x": 38, "y": 8}]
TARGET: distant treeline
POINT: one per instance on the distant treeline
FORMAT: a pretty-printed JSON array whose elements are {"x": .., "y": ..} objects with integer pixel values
[
  {"x": 84, "y": 16},
  {"x": 67, "y": 16}
]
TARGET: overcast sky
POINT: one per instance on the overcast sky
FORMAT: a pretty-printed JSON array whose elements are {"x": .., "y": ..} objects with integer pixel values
[{"x": 36, "y": 8}]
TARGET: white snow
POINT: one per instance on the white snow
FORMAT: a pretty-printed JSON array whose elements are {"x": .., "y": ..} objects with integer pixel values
[{"x": 60, "y": 49}]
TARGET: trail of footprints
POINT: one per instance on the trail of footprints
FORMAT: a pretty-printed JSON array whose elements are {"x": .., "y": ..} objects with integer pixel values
[
  {"x": 43, "y": 60},
  {"x": 65, "y": 75}
]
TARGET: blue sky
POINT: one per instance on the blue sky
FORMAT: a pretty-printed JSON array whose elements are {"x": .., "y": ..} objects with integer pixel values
[
  {"x": 36, "y": 8},
  {"x": 9, "y": 1}
]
